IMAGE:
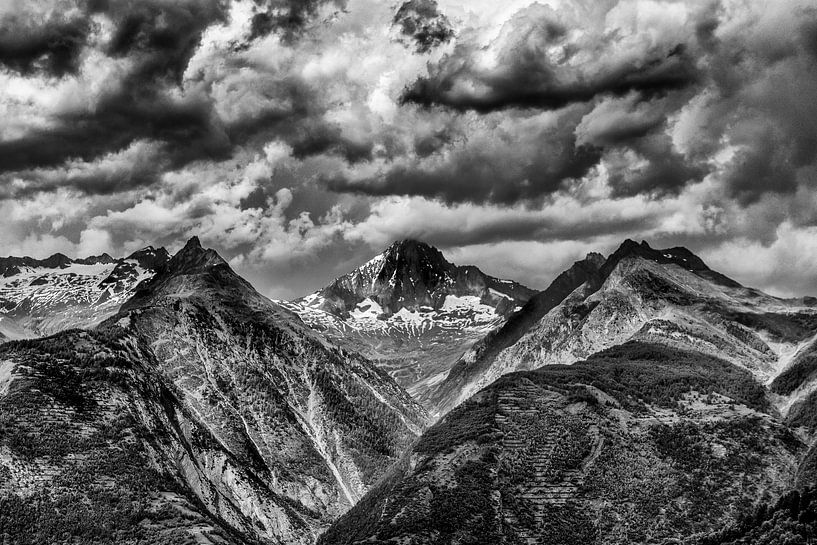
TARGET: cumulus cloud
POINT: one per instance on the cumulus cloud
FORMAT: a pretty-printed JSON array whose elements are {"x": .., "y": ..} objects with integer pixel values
[
  {"x": 539, "y": 60},
  {"x": 295, "y": 133}
]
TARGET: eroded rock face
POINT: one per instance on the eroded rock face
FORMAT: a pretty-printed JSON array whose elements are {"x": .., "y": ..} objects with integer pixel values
[
  {"x": 639, "y": 444},
  {"x": 411, "y": 311},
  {"x": 259, "y": 425}
]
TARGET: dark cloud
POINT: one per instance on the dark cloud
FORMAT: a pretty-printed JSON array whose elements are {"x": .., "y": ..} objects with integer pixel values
[
  {"x": 761, "y": 168},
  {"x": 527, "y": 228},
  {"x": 540, "y": 162},
  {"x": 288, "y": 18},
  {"x": 619, "y": 121},
  {"x": 138, "y": 166},
  {"x": 150, "y": 102},
  {"x": 422, "y": 21},
  {"x": 536, "y": 68},
  {"x": 52, "y": 47},
  {"x": 161, "y": 35},
  {"x": 314, "y": 139},
  {"x": 428, "y": 144},
  {"x": 132, "y": 113},
  {"x": 657, "y": 169},
  {"x": 752, "y": 90}
]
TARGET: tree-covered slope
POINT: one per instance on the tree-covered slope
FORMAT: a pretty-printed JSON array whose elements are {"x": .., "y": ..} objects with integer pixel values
[{"x": 642, "y": 443}]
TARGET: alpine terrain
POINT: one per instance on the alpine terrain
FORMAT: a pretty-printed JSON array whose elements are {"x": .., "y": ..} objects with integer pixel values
[
  {"x": 639, "y": 399},
  {"x": 41, "y": 297},
  {"x": 665, "y": 296},
  {"x": 412, "y": 311},
  {"x": 200, "y": 412}
]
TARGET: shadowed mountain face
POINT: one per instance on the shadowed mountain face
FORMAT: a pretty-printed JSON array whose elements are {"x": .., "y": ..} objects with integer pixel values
[
  {"x": 42, "y": 297},
  {"x": 412, "y": 275},
  {"x": 412, "y": 311},
  {"x": 660, "y": 296},
  {"x": 641, "y": 443},
  {"x": 201, "y": 408}
]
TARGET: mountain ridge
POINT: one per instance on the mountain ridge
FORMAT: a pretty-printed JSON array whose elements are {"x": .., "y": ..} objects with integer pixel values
[
  {"x": 262, "y": 430},
  {"x": 640, "y": 443},
  {"x": 42, "y": 297},
  {"x": 411, "y": 274},
  {"x": 636, "y": 286},
  {"x": 411, "y": 310}
]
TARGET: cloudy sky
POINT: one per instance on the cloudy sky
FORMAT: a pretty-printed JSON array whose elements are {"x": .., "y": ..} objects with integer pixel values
[{"x": 300, "y": 137}]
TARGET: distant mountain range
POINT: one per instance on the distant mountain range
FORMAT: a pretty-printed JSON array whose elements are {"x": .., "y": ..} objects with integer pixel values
[
  {"x": 412, "y": 311},
  {"x": 41, "y": 297},
  {"x": 641, "y": 398}
]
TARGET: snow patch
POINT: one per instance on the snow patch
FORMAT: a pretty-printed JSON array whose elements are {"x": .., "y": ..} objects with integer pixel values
[
  {"x": 409, "y": 316},
  {"x": 496, "y": 293},
  {"x": 368, "y": 309}
]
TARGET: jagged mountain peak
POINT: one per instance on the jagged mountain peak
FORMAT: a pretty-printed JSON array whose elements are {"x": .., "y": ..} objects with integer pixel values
[
  {"x": 415, "y": 251},
  {"x": 193, "y": 258},
  {"x": 413, "y": 275},
  {"x": 589, "y": 306},
  {"x": 150, "y": 257},
  {"x": 595, "y": 259},
  {"x": 410, "y": 257},
  {"x": 411, "y": 309},
  {"x": 193, "y": 271},
  {"x": 103, "y": 258},
  {"x": 678, "y": 255}
]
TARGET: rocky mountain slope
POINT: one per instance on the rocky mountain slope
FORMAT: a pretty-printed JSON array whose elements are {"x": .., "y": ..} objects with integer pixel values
[
  {"x": 660, "y": 296},
  {"x": 412, "y": 311},
  {"x": 42, "y": 297},
  {"x": 640, "y": 443},
  {"x": 201, "y": 411}
]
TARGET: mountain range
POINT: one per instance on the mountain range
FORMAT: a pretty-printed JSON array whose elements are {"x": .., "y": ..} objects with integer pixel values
[
  {"x": 640, "y": 398},
  {"x": 638, "y": 293},
  {"x": 201, "y": 408},
  {"x": 412, "y": 311},
  {"x": 41, "y": 297}
]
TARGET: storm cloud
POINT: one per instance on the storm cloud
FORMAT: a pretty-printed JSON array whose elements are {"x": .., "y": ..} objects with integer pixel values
[{"x": 288, "y": 133}]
